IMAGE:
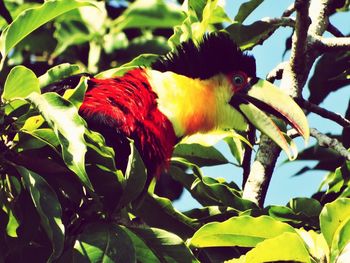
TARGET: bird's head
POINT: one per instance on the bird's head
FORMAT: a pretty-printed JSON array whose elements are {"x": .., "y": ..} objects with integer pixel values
[{"x": 213, "y": 85}]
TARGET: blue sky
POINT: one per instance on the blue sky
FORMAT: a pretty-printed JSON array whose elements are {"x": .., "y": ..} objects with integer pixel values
[{"x": 283, "y": 186}]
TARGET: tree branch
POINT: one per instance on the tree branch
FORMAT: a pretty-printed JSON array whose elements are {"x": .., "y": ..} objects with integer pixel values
[
  {"x": 334, "y": 31},
  {"x": 294, "y": 77},
  {"x": 323, "y": 112},
  {"x": 332, "y": 43},
  {"x": 331, "y": 143},
  {"x": 255, "y": 189},
  {"x": 289, "y": 11},
  {"x": 5, "y": 13},
  {"x": 277, "y": 72}
]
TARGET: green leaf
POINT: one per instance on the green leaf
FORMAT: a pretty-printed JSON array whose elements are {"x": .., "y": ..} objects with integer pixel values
[
  {"x": 341, "y": 240},
  {"x": 76, "y": 95},
  {"x": 19, "y": 83},
  {"x": 48, "y": 208},
  {"x": 246, "y": 9},
  {"x": 200, "y": 155},
  {"x": 332, "y": 216},
  {"x": 107, "y": 181},
  {"x": 58, "y": 73},
  {"x": 31, "y": 19},
  {"x": 143, "y": 60},
  {"x": 244, "y": 231},
  {"x": 167, "y": 246},
  {"x": 285, "y": 247},
  {"x": 197, "y": 6},
  {"x": 37, "y": 139},
  {"x": 102, "y": 242},
  {"x": 249, "y": 36},
  {"x": 135, "y": 176},
  {"x": 149, "y": 14},
  {"x": 12, "y": 224},
  {"x": 315, "y": 244},
  {"x": 69, "y": 128},
  {"x": 159, "y": 212},
  {"x": 69, "y": 33},
  {"x": 307, "y": 206},
  {"x": 144, "y": 253}
]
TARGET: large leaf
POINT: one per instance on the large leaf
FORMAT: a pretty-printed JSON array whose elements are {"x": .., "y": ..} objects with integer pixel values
[
  {"x": 246, "y": 9},
  {"x": 69, "y": 128},
  {"x": 165, "y": 246},
  {"x": 332, "y": 216},
  {"x": 48, "y": 208},
  {"x": 244, "y": 231},
  {"x": 287, "y": 247},
  {"x": 315, "y": 244},
  {"x": 159, "y": 212},
  {"x": 149, "y": 14},
  {"x": 199, "y": 155},
  {"x": 341, "y": 240},
  {"x": 58, "y": 73},
  {"x": 33, "y": 18},
  {"x": 143, "y": 60},
  {"x": 103, "y": 242},
  {"x": 144, "y": 253},
  {"x": 337, "y": 182},
  {"x": 20, "y": 82},
  {"x": 248, "y": 36}
]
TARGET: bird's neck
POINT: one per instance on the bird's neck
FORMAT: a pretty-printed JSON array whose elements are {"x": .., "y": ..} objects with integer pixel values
[{"x": 192, "y": 105}]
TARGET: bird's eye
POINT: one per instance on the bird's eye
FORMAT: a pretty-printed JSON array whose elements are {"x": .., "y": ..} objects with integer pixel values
[{"x": 238, "y": 80}]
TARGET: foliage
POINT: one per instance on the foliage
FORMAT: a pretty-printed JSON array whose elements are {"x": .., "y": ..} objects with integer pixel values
[{"x": 63, "y": 199}]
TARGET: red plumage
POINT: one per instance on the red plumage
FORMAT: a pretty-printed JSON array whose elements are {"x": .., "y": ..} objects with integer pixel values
[{"x": 127, "y": 107}]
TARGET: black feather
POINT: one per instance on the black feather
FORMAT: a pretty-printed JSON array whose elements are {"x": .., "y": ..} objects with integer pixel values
[{"x": 216, "y": 53}]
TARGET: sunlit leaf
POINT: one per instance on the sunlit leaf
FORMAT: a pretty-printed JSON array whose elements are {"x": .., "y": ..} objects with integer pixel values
[
  {"x": 341, "y": 239},
  {"x": 244, "y": 231},
  {"x": 143, "y": 60},
  {"x": 19, "y": 83},
  {"x": 33, "y": 18},
  {"x": 58, "y": 73},
  {"x": 285, "y": 247},
  {"x": 69, "y": 128},
  {"x": 332, "y": 216}
]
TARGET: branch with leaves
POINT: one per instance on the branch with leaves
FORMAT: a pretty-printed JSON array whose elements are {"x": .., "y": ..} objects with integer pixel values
[{"x": 312, "y": 20}]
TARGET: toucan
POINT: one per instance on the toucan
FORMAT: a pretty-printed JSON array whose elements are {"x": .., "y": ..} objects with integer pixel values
[{"x": 200, "y": 87}]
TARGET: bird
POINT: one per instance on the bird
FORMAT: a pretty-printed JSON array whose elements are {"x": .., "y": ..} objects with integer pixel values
[{"x": 200, "y": 87}]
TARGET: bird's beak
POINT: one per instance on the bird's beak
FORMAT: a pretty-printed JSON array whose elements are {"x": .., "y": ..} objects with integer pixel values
[{"x": 260, "y": 97}]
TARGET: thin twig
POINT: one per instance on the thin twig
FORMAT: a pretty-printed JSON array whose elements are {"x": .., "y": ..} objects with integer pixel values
[
  {"x": 337, "y": 118},
  {"x": 331, "y": 143}
]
